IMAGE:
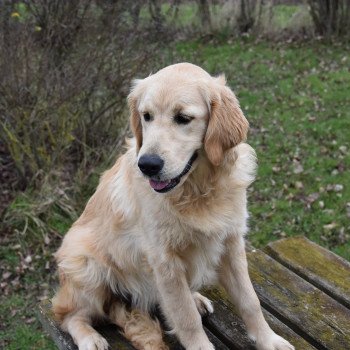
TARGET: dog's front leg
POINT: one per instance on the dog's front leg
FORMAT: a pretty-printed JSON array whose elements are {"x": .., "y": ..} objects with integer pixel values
[
  {"x": 178, "y": 303},
  {"x": 235, "y": 279}
]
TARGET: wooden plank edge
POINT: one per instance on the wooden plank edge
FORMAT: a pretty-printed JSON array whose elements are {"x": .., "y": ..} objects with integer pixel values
[
  {"x": 266, "y": 304},
  {"x": 215, "y": 339},
  {"x": 65, "y": 342},
  {"x": 274, "y": 255},
  {"x": 62, "y": 340},
  {"x": 311, "y": 340},
  {"x": 230, "y": 329}
]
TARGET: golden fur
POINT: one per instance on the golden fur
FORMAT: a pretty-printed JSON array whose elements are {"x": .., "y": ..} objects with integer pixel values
[{"x": 161, "y": 248}]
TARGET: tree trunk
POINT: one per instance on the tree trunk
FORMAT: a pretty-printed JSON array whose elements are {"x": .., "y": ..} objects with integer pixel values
[
  {"x": 204, "y": 13},
  {"x": 330, "y": 17}
]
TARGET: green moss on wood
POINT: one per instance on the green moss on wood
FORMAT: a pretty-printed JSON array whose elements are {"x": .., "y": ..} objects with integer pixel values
[
  {"x": 307, "y": 308},
  {"x": 321, "y": 267}
]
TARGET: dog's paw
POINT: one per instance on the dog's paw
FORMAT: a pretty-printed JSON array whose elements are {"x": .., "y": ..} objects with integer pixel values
[
  {"x": 272, "y": 341},
  {"x": 204, "y": 305},
  {"x": 206, "y": 346},
  {"x": 93, "y": 342}
]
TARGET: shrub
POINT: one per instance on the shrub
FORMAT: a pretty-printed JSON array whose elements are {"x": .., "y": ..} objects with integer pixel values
[
  {"x": 65, "y": 70},
  {"x": 241, "y": 16},
  {"x": 331, "y": 17}
]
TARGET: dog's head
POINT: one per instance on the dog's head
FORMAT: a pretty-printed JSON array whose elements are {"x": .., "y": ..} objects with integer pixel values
[{"x": 177, "y": 112}]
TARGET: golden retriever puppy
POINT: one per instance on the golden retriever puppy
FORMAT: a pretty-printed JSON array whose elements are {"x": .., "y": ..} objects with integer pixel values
[{"x": 167, "y": 219}]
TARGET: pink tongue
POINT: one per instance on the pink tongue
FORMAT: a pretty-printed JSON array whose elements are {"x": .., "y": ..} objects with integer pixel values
[{"x": 159, "y": 185}]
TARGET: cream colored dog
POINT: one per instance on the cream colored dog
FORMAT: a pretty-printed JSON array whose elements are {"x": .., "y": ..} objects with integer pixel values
[{"x": 167, "y": 219}]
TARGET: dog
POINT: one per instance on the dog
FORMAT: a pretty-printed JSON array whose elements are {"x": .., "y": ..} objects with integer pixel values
[{"x": 167, "y": 219}]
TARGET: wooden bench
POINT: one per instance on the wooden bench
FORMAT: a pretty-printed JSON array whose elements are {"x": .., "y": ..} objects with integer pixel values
[{"x": 304, "y": 291}]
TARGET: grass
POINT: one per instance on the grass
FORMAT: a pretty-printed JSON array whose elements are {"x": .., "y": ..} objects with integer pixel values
[
  {"x": 27, "y": 335},
  {"x": 19, "y": 326},
  {"x": 40, "y": 219},
  {"x": 287, "y": 16},
  {"x": 296, "y": 99}
]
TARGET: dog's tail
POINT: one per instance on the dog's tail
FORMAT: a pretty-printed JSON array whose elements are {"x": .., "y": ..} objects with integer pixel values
[{"x": 138, "y": 327}]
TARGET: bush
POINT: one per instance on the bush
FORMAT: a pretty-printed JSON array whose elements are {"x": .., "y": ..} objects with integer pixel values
[
  {"x": 235, "y": 16},
  {"x": 331, "y": 17},
  {"x": 66, "y": 68}
]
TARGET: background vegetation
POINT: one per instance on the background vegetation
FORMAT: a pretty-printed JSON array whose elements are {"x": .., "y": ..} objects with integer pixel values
[{"x": 65, "y": 70}]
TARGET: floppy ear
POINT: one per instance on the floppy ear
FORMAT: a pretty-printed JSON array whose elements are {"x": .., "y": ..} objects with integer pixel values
[
  {"x": 135, "y": 120},
  {"x": 227, "y": 125}
]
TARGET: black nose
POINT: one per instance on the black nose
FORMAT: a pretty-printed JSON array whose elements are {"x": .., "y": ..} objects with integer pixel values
[{"x": 150, "y": 164}]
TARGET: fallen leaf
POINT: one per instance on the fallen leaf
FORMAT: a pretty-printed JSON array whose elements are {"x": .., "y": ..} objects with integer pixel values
[
  {"x": 28, "y": 259},
  {"x": 330, "y": 226},
  {"x": 47, "y": 239},
  {"x": 348, "y": 209},
  {"x": 30, "y": 320},
  {"x": 342, "y": 236},
  {"x": 6, "y": 275},
  {"x": 312, "y": 197},
  {"x": 297, "y": 167},
  {"x": 338, "y": 188},
  {"x": 13, "y": 312},
  {"x": 328, "y": 211},
  {"x": 299, "y": 185},
  {"x": 335, "y": 188},
  {"x": 343, "y": 149}
]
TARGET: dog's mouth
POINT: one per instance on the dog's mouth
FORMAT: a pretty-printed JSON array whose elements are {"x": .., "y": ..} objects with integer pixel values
[{"x": 167, "y": 185}]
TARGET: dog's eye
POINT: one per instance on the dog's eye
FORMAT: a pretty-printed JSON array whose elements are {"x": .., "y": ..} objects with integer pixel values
[
  {"x": 147, "y": 117},
  {"x": 182, "y": 119}
]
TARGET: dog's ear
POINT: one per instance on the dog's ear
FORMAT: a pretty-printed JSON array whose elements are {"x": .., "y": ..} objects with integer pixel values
[
  {"x": 227, "y": 125},
  {"x": 135, "y": 119}
]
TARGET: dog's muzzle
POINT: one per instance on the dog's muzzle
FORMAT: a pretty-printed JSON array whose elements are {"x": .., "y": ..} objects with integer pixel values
[
  {"x": 167, "y": 185},
  {"x": 150, "y": 164}
]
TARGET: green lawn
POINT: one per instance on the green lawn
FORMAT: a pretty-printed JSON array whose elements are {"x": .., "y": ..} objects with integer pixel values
[
  {"x": 296, "y": 97},
  {"x": 21, "y": 328}
]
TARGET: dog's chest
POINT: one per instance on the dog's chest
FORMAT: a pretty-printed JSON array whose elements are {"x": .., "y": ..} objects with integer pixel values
[
  {"x": 202, "y": 260},
  {"x": 200, "y": 251},
  {"x": 197, "y": 232}
]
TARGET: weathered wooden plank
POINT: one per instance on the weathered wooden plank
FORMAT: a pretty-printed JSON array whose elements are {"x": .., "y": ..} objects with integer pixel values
[
  {"x": 174, "y": 344},
  {"x": 61, "y": 339},
  {"x": 229, "y": 327},
  {"x": 307, "y": 310},
  {"x": 111, "y": 332},
  {"x": 65, "y": 342},
  {"x": 322, "y": 268}
]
